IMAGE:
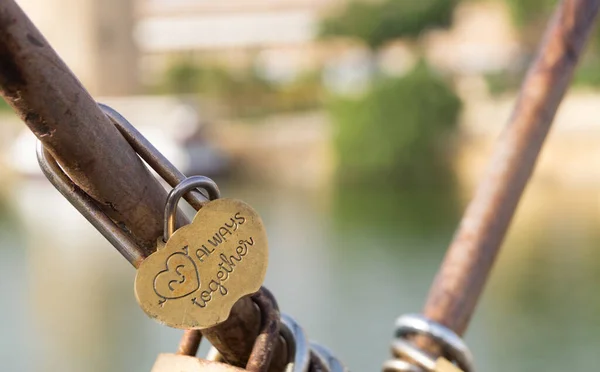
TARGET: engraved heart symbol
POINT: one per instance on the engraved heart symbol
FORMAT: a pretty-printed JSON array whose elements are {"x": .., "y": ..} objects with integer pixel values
[
  {"x": 179, "y": 279},
  {"x": 193, "y": 281}
]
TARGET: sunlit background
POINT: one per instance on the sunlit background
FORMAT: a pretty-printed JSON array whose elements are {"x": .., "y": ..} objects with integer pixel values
[{"x": 357, "y": 130}]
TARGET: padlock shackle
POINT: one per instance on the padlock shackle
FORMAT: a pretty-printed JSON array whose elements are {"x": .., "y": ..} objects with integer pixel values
[{"x": 178, "y": 192}]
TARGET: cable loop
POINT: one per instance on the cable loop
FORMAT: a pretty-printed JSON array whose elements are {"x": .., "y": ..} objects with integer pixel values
[
  {"x": 88, "y": 207},
  {"x": 263, "y": 349},
  {"x": 300, "y": 352}
]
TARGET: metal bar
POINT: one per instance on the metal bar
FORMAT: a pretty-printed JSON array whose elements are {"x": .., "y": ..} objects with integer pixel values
[
  {"x": 469, "y": 259},
  {"x": 263, "y": 349},
  {"x": 189, "y": 343},
  {"x": 62, "y": 114},
  {"x": 58, "y": 110}
]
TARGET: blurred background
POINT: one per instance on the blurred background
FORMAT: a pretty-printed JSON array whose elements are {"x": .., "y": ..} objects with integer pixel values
[{"x": 358, "y": 130}]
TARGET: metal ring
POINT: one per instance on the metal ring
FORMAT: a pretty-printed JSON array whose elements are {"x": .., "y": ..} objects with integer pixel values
[
  {"x": 330, "y": 360},
  {"x": 296, "y": 339},
  {"x": 452, "y": 345},
  {"x": 178, "y": 191},
  {"x": 398, "y": 365}
]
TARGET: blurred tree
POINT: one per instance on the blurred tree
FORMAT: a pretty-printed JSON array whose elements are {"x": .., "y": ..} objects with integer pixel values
[
  {"x": 243, "y": 93},
  {"x": 181, "y": 77},
  {"x": 393, "y": 151},
  {"x": 526, "y": 12},
  {"x": 396, "y": 131},
  {"x": 376, "y": 23}
]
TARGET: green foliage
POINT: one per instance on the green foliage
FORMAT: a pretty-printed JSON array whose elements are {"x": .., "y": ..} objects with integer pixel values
[
  {"x": 181, "y": 77},
  {"x": 396, "y": 132},
  {"x": 243, "y": 93},
  {"x": 376, "y": 23},
  {"x": 528, "y": 12}
]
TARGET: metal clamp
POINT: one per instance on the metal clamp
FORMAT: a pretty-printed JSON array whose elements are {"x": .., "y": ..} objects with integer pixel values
[
  {"x": 121, "y": 240},
  {"x": 453, "y": 347}
]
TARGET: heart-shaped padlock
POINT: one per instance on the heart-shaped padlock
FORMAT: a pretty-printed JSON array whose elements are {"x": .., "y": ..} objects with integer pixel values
[{"x": 193, "y": 280}]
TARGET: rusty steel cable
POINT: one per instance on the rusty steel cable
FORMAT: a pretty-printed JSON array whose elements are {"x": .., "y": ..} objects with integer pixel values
[
  {"x": 54, "y": 105},
  {"x": 467, "y": 264},
  {"x": 464, "y": 271},
  {"x": 264, "y": 346}
]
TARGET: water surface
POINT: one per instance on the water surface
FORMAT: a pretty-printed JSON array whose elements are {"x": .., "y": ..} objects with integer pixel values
[{"x": 344, "y": 264}]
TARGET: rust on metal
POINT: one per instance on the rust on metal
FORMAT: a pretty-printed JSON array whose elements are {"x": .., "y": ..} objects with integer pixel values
[
  {"x": 261, "y": 357},
  {"x": 62, "y": 114},
  {"x": 462, "y": 276},
  {"x": 189, "y": 343},
  {"x": 264, "y": 346},
  {"x": 58, "y": 110}
]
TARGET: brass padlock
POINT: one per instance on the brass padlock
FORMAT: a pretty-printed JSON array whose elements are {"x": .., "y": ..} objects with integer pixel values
[
  {"x": 260, "y": 357},
  {"x": 201, "y": 270}
]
